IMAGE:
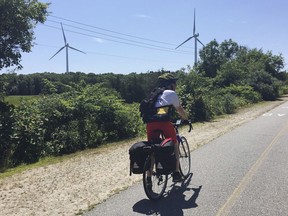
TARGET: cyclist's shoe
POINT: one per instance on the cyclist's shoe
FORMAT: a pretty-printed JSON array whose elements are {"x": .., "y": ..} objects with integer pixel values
[
  {"x": 149, "y": 183},
  {"x": 177, "y": 177}
]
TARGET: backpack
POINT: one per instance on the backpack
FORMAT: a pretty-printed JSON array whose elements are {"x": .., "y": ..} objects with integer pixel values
[
  {"x": 165, "y": 158},
  {"x": 137, "y": 157},
  {"x": 147, "y": 106}
]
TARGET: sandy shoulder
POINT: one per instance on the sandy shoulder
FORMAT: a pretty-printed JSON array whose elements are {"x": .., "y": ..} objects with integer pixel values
[{"x": 80, "y": 183}]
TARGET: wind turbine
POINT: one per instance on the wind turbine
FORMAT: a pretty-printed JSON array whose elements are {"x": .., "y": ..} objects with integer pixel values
[
  {"x": 195, "y": 36},
  {"x": 66, "y": 45}
]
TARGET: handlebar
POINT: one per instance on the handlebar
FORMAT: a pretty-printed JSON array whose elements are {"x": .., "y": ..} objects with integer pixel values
[
  {"x": 184, "y": 122},
  {"x": 190, "y": 127}
]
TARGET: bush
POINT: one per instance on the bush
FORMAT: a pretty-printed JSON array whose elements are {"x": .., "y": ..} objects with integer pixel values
[
  {"x": 28, "y": 142},
  {"x": 222, "y": 103},
  {"x": 79, "y": 120},
  {"x": 268, "y": 92},
  {"x": 203, "y": 109},
  {"x": 283, "y": 90},
  {"x": 245, "y": 92},
  {"x": 230, "y": 103},
  {"x": 266, "y": 85},
  {"x": 66, "y": 123},
  {"x": 6, "y": 132}
]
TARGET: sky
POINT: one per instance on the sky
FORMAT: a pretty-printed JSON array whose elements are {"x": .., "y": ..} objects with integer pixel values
[{"x": 125, "y": 36}]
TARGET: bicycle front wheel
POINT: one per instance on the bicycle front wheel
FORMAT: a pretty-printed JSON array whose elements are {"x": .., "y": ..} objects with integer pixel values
[
  {"x": 184, "y": 157},
  {"x": 154, "y": 184}
]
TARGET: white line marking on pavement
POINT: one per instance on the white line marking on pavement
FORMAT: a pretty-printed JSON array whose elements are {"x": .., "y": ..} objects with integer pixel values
[
  {"x": 280, "y": 115},
  {"x": 267, "y": 114}
]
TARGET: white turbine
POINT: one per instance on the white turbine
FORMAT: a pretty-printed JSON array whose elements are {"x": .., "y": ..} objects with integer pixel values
[
  {"x": 66, "y": 45},
  {"x": 195, "y": 36}
]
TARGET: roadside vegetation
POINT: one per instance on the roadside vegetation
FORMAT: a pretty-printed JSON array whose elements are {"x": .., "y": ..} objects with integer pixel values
[
  {"x": 48, "y": 115},
  {"x": 77, "y": 111}
]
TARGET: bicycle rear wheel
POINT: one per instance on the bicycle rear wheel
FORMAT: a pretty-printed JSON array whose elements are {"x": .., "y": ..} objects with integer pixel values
[
  {"x": 184, "y": 157},
  {"x": 155, "y": 188}
]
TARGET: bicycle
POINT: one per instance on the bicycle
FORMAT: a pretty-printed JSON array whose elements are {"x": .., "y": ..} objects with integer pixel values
[{"x": 159, "y": 181}]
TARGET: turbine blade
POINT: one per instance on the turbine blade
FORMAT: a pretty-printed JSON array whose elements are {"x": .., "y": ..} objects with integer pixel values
[
  {"x": 58, "y": 52},
  {"x": 194, "y": 27},
  {"x": 184, "y": 42},
  {"x": 200, "y": 42},
  {"x": 76, "y": 49},
  {"x": 63, "y": 34}
]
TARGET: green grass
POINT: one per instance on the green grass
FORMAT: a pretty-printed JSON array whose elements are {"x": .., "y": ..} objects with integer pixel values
[{"x": 16, "y": 99}]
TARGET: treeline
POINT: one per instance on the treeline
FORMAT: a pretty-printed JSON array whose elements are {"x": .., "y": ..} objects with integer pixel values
[
  {"x": 131, "y": 87},
  {"x": 224, "y": 64},
  {"x": 78, "y": 111}
]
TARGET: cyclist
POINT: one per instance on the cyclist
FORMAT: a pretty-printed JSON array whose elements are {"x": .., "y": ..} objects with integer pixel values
[{"x": 162, "y": 120}]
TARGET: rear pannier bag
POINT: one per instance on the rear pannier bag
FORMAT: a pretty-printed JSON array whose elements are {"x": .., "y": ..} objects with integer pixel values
[
  {"x": 165, "y": 157},
  {"x": 137, "y": 157}
]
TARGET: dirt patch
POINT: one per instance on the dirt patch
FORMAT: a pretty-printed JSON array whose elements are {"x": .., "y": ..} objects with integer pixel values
[{"x": 78, "y": 184}]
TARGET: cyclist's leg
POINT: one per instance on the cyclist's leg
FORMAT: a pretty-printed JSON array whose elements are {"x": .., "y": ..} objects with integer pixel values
[
  {"x": 153, "y": 131},
  {"x": 152, "y": 163},
  {"x": 169, "y": 132},
  {"x": 176, "y": 150}
]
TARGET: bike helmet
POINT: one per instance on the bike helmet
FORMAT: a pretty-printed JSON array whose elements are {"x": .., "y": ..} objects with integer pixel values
[{"x": 166, "y": 79}]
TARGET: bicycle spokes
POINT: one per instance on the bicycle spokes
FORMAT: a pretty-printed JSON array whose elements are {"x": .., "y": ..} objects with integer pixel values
[
  {"x": 155, "y": 187},
  {"x": 184, "y": 157}
]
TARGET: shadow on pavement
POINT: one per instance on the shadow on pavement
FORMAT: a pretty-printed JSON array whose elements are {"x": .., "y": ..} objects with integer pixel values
[{"x": 174, "y": 201}]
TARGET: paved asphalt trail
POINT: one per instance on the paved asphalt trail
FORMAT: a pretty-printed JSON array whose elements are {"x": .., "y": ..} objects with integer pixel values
[{"x": 243, "y": 172}]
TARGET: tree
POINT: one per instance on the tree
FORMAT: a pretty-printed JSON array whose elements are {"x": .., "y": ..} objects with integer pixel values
[
  {"x": 229, "y": 50},
  {"x": 18, "y": 19},
  {"x": 214, "y": 55},
  {"x": 3, "y": 85},
  {"x": 210, "y": 59},
  {"x": 48, "y": 87}
]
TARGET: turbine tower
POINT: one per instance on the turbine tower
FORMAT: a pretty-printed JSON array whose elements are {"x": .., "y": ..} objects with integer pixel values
[
  {"x": 66, "y": 45},
  {"x": 195, "y": 36}
]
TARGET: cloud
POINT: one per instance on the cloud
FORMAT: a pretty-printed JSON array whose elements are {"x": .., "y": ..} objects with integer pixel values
[
  {"x": 98, "y": 40},
  {"x": 143, "y": 16}
]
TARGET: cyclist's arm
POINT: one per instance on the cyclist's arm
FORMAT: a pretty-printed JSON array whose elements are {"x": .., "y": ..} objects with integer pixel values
[
  {"x": 172, "y": 98},
  {"x": 182, "y": 112}
]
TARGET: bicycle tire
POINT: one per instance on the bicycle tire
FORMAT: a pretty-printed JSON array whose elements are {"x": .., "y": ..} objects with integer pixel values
[
  {"x": 184, "y": 157},
  {"x": 159, "y": 182}
]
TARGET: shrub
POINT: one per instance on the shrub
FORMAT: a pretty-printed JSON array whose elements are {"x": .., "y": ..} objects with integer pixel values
[
  {"x": 230, "y": 103},
  {"x": 85, "y": 119},
  {"x": 201, "y": 109},
  {"x": 245, "y": 92},
  {"x": 65, "y": 123},
  {"x": 266, "y": 85},
  {"x": 283, "y": 90},
  {"x": 28, "y": 135},
  {"x": 6, "y": 132}
]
